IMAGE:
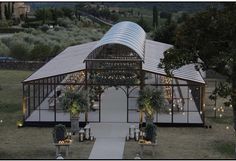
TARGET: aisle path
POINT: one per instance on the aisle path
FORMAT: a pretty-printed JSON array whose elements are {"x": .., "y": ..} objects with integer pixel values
[{"x": 110, "y": 140}]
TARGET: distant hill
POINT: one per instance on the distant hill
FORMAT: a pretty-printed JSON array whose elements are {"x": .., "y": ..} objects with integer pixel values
[{"x": 162, "y": 6}]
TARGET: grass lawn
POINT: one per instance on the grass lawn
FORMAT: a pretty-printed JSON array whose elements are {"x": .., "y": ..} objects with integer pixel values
[
  {"x": 27, "y": 142},
  {"x": 173, "y": 143},
  {"x": 193, "y": 143}
]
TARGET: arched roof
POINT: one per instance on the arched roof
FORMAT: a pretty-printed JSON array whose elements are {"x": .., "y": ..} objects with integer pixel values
[{"x": 125, "y": 33}]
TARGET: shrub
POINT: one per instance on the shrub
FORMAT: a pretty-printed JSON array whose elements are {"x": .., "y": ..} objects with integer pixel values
[
  {"x": 40, "y": 52},
  {"x": 19, "y": 49},
  {"x": 150, "y": 131},
  {"x": 65, "y": 22},
  {"x": 4, "y": 23},
  {"x": 59, "y": 133},
  {"x": 4, "y": 50},
  {"x": 44, "y": 28}
]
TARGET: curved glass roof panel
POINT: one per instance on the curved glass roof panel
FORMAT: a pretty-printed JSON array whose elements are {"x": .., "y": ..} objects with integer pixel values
[{"x": 125, "y": 33}]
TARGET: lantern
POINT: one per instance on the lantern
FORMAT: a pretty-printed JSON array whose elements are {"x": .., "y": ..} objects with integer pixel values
[
  {"x": 131, "y": 131},
  {"x": 137, "y": 134},
  {"x": 87, "y": 131},
  {"x": 81, "y": 135}
]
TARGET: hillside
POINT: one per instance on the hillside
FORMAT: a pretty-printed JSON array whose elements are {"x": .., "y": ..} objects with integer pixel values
[{"x": 162, "y": 6}]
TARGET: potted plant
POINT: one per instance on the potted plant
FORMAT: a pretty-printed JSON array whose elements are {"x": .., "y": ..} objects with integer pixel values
[
  {"x": 150, "y": 131},
  {"x": 150, "y": 100},
  {"x": 75, "y": 102}
]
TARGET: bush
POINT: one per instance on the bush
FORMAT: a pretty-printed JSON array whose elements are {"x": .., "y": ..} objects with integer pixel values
[
  {"x": 19, "y": 49},
  {"x": 10, "y": 30},
  {"x": 4, "y": 23},
  {"x": 40, "y": 52},
  {"x": 59, "y": 133},
  {"x": 4, "y": 50},
  {"x": 44, "y": 28},
  {"x": 150, "y": 131},
  {"x": 65, "y": 22}
]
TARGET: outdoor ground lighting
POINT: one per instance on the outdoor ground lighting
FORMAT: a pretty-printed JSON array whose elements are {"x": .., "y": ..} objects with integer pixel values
[
  {"x": 91, "y": 138},
  {"x": 69, "y": 135},
  {"x": 131, "y": 131},
  {"x": 87, "y": 132},
  {"x": 137, "y": 134},
  {"x": 81, "y": 135}
]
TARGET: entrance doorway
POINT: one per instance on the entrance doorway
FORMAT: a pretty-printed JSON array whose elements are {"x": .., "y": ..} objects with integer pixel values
[{"x": 113, "y": 105}]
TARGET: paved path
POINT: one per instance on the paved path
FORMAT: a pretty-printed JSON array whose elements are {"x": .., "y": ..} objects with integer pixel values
[{"x": 110, "y": 140}]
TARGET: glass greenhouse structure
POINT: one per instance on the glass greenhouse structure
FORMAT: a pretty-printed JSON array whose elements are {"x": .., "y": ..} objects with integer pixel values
[{"x": 114, "y": 69}]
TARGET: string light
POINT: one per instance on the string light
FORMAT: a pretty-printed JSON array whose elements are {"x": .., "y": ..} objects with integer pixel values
[
  {"x": 170, "y": 113},
  {"x": 221, "y": 115},
  {"x": 1, "y": 121},
  {"x": 200, "y": 112},
  {"x": 183, "y": 113},
  {"x": 191, "y": 98},
  {"x": 230, "y": 105},
  {"x": 169, "y": 109},
  {"x": 227, "y": 127},
  {"x": 214, "y": 108}
]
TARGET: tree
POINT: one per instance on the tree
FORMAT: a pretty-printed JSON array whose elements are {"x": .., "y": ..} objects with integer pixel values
[
  {"x": 67, "y": 12},
  {"x": 75, "y": 102},
  {"x": 210, "y": 36},
  {"x": 150, "y": 100},
  {"x": 155, "y": 17},
  {"x": 143, "y": 24},
  {"x": 40, "y": 52},
  {"x": 166, "y": 33},
  {"x": 19, "y": 50},
  {"x": 43, "y": 14}
]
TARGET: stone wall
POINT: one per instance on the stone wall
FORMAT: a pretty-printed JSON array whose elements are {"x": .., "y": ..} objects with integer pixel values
[{"x": 21, "y": 65}]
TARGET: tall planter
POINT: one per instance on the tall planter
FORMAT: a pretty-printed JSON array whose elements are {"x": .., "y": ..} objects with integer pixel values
[
  {"x": 74, "y": 124},
  {"x": 149, "y": 120}
]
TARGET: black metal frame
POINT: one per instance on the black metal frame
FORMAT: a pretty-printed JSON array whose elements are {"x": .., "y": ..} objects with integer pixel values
[{"x": 38, "y": 90}]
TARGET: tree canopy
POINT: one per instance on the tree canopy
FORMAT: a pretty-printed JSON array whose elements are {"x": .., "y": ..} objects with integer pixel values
[{"x": 210, "y": 36}]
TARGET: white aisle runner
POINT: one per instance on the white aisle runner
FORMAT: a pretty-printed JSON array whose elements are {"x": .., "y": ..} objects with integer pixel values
[
  {"x": 110, "y": 140},
  {"x": 108, "y": 148}
]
